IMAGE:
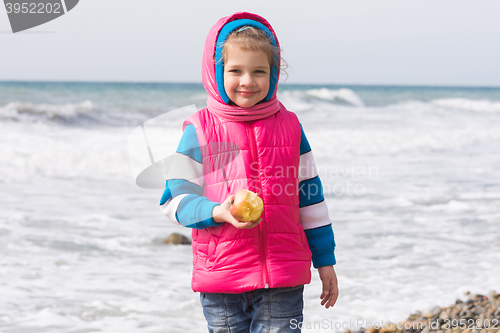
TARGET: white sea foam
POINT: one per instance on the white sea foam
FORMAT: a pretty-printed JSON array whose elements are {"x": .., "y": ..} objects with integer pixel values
[
  {"x": 81, "y": 245},
  {"x": 469, "y": 104},
  {"x": 39, "y": 150}
]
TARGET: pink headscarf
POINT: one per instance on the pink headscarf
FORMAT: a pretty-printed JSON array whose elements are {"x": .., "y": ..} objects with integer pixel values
[{"x": 215, "y": 103}]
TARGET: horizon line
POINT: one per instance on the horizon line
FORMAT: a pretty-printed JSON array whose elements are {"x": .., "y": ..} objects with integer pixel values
[{"x": 281, "y": 83}]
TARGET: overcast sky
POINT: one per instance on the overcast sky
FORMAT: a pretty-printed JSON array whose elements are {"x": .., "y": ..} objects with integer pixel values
[{"x": 416, "y": 42}]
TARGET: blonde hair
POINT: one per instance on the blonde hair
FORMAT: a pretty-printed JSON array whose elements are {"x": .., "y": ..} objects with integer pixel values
[{"x": 253, "y": 39}]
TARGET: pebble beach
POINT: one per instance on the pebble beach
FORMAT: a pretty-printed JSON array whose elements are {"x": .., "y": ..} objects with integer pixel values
[{"x": 478, "y": 314}]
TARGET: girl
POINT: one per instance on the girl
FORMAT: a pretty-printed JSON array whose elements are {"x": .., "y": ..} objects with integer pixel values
[{"x": 250, "y": 274}]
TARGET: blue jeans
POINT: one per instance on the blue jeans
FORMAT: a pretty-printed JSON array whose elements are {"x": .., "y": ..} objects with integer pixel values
[{"x": 261, "y": 310}]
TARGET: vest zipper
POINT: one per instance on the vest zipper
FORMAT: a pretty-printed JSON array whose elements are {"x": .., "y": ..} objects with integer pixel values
[{"x": 262, "y": 225}]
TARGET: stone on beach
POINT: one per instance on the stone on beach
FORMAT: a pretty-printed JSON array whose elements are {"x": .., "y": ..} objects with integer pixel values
[{"x": 176, "y": 239}]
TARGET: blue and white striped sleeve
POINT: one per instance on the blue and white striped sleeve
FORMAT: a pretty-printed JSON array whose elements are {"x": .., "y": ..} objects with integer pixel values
[
  {"x": 313, "y": 210},
  {"x": 182, "y": 201}
]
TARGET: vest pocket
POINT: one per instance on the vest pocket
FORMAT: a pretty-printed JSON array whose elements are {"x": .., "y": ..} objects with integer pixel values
[
  {"x": 212, "y": 249},
  {"x": 201, "y": 254},
  {"x": 303, "y": 239},
  {"x": 302, "y": 235}
]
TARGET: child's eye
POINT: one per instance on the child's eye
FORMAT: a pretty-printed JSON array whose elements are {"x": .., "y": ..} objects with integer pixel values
[
  {"x": 234, "y": 71},
  {"x": 260, "y": 71}
]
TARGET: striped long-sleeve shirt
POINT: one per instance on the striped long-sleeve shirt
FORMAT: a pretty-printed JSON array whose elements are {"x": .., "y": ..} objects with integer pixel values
[{"x": 183, "y": 203}]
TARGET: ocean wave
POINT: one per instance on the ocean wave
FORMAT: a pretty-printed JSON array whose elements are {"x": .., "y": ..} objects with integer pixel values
[
  {"x": 74, "y": 114},
  {"x": 485, "y": 106},
  {"x": 29, "y": 112},
  {"x": 303, "y": 99},
  {"x": 343, "y": 95}
]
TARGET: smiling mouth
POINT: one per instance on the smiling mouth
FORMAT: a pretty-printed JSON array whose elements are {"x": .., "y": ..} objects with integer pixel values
[{"x": 247, "y": 93}]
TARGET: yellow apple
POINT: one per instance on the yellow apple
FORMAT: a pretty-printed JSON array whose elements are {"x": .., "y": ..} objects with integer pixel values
[{"x": 247, "y": 206}]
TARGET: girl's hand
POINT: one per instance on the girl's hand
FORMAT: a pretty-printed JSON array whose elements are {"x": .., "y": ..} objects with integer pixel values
[
  {"x": 222, "y": 214},
  {"x": 330, "y": 287}
]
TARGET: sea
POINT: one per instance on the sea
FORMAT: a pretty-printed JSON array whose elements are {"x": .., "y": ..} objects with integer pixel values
[{"x": 411, "y": 178}]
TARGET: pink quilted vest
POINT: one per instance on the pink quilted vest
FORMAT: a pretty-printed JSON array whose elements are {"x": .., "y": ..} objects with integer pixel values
[
  {"x": 276, "y": 253},
  {"x": 262, "y": 156}
]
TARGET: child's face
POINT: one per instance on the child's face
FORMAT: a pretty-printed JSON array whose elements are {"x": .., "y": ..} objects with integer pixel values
[{"x": 246, "y": 76}]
